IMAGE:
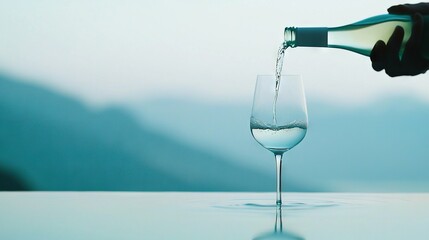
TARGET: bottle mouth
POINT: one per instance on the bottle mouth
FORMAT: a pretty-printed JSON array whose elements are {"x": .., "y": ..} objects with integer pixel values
[{"x": 289, "y": 37}]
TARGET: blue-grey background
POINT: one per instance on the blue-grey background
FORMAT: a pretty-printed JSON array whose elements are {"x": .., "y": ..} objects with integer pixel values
[{"x": 137, "y": 95}]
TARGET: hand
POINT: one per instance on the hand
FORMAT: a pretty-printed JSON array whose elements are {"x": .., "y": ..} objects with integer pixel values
[{"x": 386, "y": 56}]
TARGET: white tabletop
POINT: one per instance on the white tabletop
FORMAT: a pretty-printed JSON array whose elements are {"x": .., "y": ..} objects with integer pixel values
[{"x": 181, "y": 215}]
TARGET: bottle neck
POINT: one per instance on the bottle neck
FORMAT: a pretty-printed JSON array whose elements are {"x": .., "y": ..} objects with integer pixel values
[{"x": 306, "y": 37}]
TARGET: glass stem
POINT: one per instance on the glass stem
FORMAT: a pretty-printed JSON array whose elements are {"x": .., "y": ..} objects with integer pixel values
[
  {"x": 278, "y": 227},
  {"x": 279, "y": 178}
]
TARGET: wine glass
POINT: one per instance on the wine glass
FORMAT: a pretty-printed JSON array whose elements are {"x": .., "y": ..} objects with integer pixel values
[{"x": 279, "y": 117}]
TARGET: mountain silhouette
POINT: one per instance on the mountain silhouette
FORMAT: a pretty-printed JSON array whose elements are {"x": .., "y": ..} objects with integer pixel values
[
  {"x": 10, "y": 181},
  {"x": 53, "y": 142}
]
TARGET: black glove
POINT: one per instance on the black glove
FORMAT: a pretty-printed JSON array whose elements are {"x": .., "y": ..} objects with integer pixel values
[{"x": 386, "y": 56}]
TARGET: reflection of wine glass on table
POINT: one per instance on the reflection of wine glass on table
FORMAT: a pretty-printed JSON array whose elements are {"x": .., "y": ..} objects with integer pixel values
[
  {"x": 278, "y": 232},
  {"x": 279, "y": 117}
]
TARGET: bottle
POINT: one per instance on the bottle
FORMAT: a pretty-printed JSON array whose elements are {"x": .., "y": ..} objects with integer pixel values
[{"x": 359, "y": 37}]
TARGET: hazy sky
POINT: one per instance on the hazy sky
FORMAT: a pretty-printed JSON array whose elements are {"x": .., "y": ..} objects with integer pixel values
[{"x": 107, "y": 52}]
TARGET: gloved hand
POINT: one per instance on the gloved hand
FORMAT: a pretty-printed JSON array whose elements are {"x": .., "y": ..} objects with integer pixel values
[{"x": 386, "y": 56}]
